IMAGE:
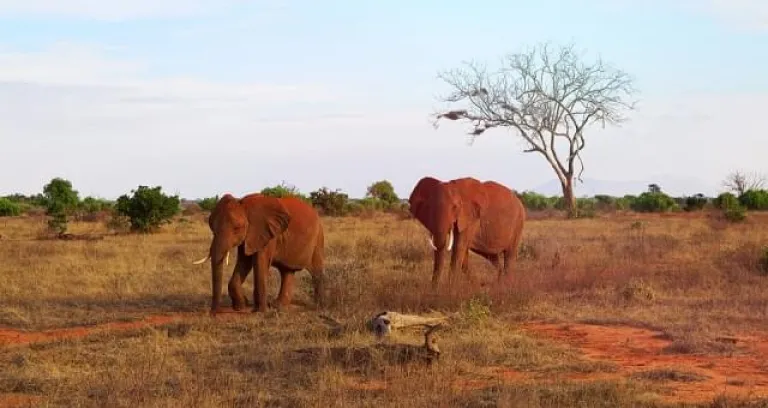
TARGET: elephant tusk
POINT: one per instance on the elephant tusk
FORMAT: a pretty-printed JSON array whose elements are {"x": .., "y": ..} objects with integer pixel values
[
  {"x": 431, "y": 243},
  {"x": 450, "y": 240},
  {"x": 226, "y": 258},
  {"x": 207, "y": 257}
]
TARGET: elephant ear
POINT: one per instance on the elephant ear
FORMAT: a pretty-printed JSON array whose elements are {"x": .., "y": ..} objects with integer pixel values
[
  {"x": 267, "y": 218},
  {"x": 472, "y": 202}
]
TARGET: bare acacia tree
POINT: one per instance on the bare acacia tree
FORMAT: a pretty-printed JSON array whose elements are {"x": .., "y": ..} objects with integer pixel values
[
  {"x": 549, "y": 97},
  {"x": 740, "y": 182}
]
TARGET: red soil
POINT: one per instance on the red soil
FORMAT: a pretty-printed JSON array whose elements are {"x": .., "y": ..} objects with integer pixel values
[
  {"x": 19, "y": 400},
  {"x": 16, "y": 337},
  {"x": 634, "y": 350}
]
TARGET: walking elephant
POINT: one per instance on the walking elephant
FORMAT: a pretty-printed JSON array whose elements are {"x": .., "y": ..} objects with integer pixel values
[
  {"x": 465, "y": 214},
  {"x": 282, "y": 232}
]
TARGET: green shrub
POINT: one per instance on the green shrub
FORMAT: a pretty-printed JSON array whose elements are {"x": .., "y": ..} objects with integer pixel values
[
  {"x": 626, "y": 202},
  {"x": 604, "y": 202},
  {"x": 557, "y": 202},
  {"x": 535, "y": 201},
  {"x": 353, "y": 207},
  {"x": 91, "y": 208},
  {"x": 36, "y": 200},
  {"x": 754, "y": 199},
  {"x": 27, "y": 203},
  {"x": 586, "y": 207},
  {"x": 284, "y": 190},
  {"x": 60, "y": 200},
  {"x": 695, "y": 202},
  {"x": 331, "y": 203},
  {"x": 726, "y": 200},
  {"x": 735, "y": 213},
  {"x": 373, "y": 204},
  {"x": 91, "y": 205},
  {"x": 383, "y": 191},
  {"x": 148, "y": 208},
  {"x": 8, "y": 208},
  {"x": 208, "y": 204},
  {"x": 654, "y": 202}
]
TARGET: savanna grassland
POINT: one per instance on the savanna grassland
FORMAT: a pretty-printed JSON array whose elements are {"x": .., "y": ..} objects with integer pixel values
[{"x": 617, "y": 310}]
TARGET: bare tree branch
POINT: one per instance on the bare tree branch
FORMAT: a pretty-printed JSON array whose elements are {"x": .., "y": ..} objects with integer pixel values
[
  {"x": 741, "y": 182},
  {"x": 547, "y": 96}
]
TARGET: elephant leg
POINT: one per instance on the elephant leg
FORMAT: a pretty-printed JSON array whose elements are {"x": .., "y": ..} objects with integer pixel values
[
  {"x": 465, "y": 268},
  {"x": 318, "y": 279},
  {"x": 235, "y": 287},
  {"x": 510, "y": 257},
  {"x": 287, "y": 283},
  {"x": 260, "y": 271},
  {"x": 495, "y": 260},
  {"x": 460, "y": 255}
]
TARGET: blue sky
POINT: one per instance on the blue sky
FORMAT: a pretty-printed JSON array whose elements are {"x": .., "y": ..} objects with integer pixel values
[{"x": 205, "y": 97}]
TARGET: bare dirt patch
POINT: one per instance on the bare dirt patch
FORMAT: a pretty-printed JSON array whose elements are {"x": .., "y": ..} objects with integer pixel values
[
  {"x": 691, "y": 378},
  {"x": 19, "y": 400},
  {"x": 18, "y": 337},
  {"x": 11, "y": 337}
]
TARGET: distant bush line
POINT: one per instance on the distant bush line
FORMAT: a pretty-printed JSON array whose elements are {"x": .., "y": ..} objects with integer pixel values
[{"x": 146, "y": 208}]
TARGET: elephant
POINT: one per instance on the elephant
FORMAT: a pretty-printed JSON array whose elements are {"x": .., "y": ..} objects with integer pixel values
[
  {"x": 282, "y": 232},
  {"x": 465, "y": 214}
]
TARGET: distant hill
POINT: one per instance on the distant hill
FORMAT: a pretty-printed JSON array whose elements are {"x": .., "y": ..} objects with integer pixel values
[{"x": 672, "y": 185}]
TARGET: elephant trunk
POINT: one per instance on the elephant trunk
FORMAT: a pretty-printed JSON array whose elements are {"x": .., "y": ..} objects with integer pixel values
[
  {"x": 437, "y": 268},
  {"x": 219, "y": 253}
]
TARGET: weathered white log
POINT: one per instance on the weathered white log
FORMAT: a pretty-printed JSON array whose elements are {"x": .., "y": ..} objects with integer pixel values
[{"x": 383, "y": 323}]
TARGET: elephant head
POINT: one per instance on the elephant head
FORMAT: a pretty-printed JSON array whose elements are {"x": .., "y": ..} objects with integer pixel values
[
  {"x": 450, "y": 211},
  {"x": 253, "y": 221}
]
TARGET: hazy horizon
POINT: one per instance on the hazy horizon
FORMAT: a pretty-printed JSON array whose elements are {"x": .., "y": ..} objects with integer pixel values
[{"x": 188, "y": 95}]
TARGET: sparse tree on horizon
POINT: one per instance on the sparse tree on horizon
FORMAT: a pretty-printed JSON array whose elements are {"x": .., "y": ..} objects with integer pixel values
[
  {"x": 550, "y": 97},
  {"x": 741, "y": 182}
]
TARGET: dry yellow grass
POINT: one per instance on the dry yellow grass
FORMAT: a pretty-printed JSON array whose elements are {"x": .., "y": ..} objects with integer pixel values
[{"x": 691, "y": 276}]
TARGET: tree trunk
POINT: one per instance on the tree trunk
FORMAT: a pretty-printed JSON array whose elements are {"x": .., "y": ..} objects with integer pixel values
[{"x": 569, "y": 199}]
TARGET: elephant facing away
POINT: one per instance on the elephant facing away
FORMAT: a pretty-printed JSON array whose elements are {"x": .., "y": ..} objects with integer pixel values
[
  {"x": 282, "y": 232},
  {"x": 465, "y": 214}
]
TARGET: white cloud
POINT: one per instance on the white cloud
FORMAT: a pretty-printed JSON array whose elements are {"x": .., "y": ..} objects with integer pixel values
[
  {"x": 75, "y": 65},
  {"x": 115, "y": 9}
]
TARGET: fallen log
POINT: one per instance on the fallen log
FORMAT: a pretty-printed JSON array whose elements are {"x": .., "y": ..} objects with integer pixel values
[{"x": 383, "y": 323}]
